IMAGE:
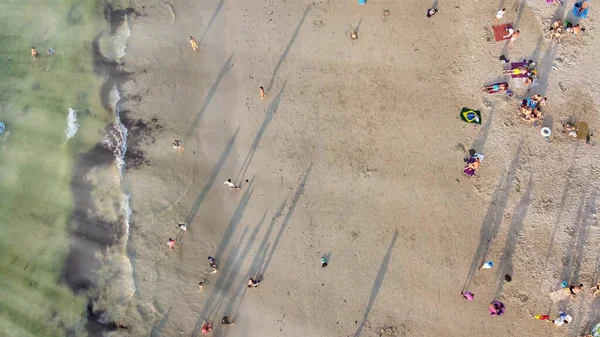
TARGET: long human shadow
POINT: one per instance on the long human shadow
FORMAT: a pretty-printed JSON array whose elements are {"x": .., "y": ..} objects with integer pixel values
[
  {"x": 505, "y": 266},
  {"x": 259, "y": 258},
  {"x": 569, "y": 257},
  {"x": 209, "y": 96},
  {"x": 501, "y": 4},
  {"x": 559, "y": 215},
  {"x": 546, "y": 68},
  {"x": 157, "y": 329},
  {"x": 263, "y": 256},
  {"x": 235, "y": 219},
  {"x": 435, "y": 4},
  {"x": 493, "y": 217},
  {"x": 287, "y": 49},
  {"x": 224, "y": 288},
  {"x": 226, "y": 265},
  {"x": 479, "y": 142},
  {"x": 519, "y": 14},
  {"x": 559, "y": 13},
  {"x": 285, "y": 221},
  {"x": 212, "y": 19},
  {"x": 378, "y": 282},
  {"x": 587, "y": 220},
  {"x": 270, "y": 112},
  {"x": 211, "y": 179},
  {"x": 208, "y": 311}
]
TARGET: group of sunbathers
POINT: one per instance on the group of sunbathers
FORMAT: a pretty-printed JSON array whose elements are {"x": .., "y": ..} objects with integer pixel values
[
  {"x": 531, "y": 108},
  {"x": 558, "y": 29}
]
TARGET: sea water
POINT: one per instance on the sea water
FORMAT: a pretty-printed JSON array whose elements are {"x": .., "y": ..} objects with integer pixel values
[{"x": 53, "y": 114}]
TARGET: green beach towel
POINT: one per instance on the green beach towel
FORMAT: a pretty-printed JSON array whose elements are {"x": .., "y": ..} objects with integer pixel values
[{"x": 470, "y": 115}]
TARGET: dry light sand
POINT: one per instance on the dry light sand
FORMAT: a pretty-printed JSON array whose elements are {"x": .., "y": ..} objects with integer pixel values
[{"x": 357, "y": 154}]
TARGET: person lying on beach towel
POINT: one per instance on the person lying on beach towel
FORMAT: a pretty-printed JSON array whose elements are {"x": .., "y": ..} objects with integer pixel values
[
  {"x": 502, "y": 32},
  {"x": 494, "y": 88},
  {"x": 516, "y": 71},
  {"x": 528, "y": 103},
  {"x": 580, "y": 9}
]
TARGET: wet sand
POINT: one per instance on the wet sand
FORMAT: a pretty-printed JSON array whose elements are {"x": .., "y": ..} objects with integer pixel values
[{"x": 355, "y": 154}]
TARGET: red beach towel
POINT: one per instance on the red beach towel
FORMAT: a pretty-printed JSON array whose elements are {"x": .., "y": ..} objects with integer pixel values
[{"x": 500, "y": 31}]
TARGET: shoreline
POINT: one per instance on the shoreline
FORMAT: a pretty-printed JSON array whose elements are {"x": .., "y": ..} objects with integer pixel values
[
  {"x": 383, "y": 157},
  {"x": 94, "y": 235}
]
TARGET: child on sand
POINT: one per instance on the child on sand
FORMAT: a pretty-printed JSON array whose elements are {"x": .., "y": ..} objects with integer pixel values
[{"x": 194, "y": 43}]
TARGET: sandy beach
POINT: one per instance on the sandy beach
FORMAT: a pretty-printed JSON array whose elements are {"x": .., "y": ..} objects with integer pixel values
[{"x": 355, "y": 154}]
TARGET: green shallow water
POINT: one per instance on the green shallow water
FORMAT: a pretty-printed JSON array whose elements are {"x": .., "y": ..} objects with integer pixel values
[{"x": 36, "y": 161}]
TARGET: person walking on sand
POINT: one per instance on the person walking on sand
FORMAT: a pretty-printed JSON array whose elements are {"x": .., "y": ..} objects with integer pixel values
[
  {"x": 200, "y": 286},
  {"x": 231, "y": 185},
  {"x": 178, "y": 145},
  {"x": 499, "y": 15},
  {"x": 212, "y": 264},
  {"x": 431, "y": 12},
  {"x": 206, "y": 328},
  {"x": 34, "y": 53},
  {"x": 252, "y": 283},
  {"x": 172, "y": 244},
  {"x": 194, "y": 43},
  {"x": 467, "y": 295},
  {"x": 262, "y": 93},
  {"x": 182, "y": 226}
]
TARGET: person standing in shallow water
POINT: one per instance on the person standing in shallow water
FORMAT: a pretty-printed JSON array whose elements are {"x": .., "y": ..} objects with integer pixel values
[{"x": 34, "y": 53}]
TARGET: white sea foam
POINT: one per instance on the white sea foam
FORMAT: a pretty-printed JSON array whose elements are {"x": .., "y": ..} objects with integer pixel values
[
  {"x": 120, "y": 39},
  {"x": 126, "y": 209},
  {"x": 72, "y": 125},
  {"x": 116, "y": 141},
  {"x": 116, "y": 138}
]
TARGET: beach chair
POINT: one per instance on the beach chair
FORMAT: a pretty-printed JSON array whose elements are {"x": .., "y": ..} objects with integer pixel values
[{"x": 500, "y": 32}]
